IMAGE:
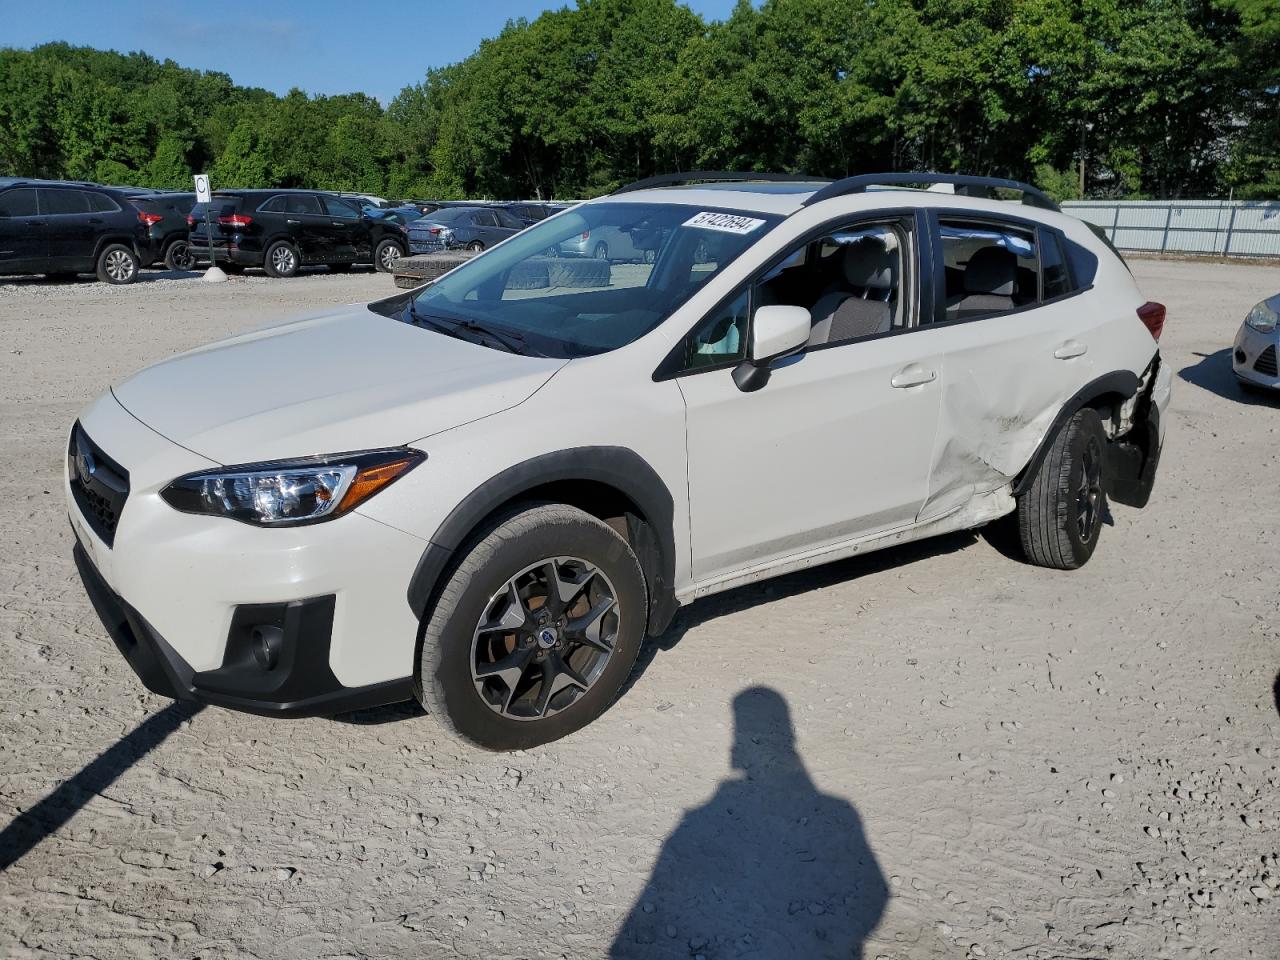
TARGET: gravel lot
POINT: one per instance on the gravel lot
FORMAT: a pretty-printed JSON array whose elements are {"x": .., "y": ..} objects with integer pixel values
[{"x": 983, "y": 758}]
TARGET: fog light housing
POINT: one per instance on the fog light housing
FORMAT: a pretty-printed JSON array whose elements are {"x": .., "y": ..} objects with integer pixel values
[
  {"x": 266, "y": 642},
  {"x": 1240, "y": 358}
]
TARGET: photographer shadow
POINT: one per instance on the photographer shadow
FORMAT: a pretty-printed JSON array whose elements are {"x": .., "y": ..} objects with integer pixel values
[{"x": 769, "y": 867}]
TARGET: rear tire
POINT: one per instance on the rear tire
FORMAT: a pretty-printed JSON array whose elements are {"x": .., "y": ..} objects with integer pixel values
[
  {"x": 532, "y": 631},
  {"x": 601, "y": 251},
  {"x": 386, "y": 255},
  {"x": 117, "y": 264},
  {"x": 1060, "y": 514},
  {"x": 282, "y": 260},
  {"x": 475, "y": 246},
  {"x": 178, "y": 256}
]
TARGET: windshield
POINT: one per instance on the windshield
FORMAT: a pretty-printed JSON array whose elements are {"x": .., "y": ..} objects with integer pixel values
[{"x": 594, "y": 278}]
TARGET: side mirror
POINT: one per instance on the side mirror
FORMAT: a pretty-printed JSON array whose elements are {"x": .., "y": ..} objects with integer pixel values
[{"x": 776, "y": 332}]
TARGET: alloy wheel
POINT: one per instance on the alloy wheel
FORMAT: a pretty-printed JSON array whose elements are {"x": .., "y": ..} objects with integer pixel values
[
  {"x": 283, "y": 260},
  {"x": 119, "y": 266},
  {"x": 390, "y": 254},
  {"x": 544, "y": 638},
  {"x": 181, "y": 257},
  {"x": 1089, "y": 493}
]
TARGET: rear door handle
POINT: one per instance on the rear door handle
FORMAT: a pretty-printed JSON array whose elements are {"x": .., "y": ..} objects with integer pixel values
[
  {"x": 913, "y": 375},
  {"x": 293, "y": 221},
  {"x": 1069, "y": 349}
]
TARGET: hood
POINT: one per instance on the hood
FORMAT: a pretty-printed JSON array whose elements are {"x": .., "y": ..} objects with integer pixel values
[{"x": 349, "y": 379}]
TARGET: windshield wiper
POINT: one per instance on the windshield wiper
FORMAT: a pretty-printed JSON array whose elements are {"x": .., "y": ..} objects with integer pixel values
[{"x": 509, "y": 339}]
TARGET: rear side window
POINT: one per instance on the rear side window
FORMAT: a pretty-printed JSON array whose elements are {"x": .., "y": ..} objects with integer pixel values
[
  {"x": 63, "y": 201},
  {"x": 18, "y": 203},
  {"x": 301, "y": 203},
  {"x": 484, "y": 218},
  {"x": 100, "y": 203},
  {"x": 507, "y": 220},
  {"x": 337, "y": 207},
  {"x": 274, "y": 205},
  {"x": 990, "y": 267}
]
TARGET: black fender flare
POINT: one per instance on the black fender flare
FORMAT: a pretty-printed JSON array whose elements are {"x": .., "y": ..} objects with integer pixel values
[
  {"x": 1122, "y": 382},
  {"x": 618, "y": 467}
]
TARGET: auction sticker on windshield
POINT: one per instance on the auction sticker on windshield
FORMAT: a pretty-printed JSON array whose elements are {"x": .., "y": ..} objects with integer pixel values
[{"x": 724, "y": 222}]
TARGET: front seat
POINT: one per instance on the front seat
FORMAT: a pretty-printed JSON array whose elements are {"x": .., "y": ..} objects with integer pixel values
[
  {"x": 990, "y": 277},
  {"x": 863, "y": 304}
]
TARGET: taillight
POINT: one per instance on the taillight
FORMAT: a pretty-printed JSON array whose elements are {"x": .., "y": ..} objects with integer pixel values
[
  {"x": 1152, "y": 316},
  {"x": 150, "y": 219},
  {"x": 586, "y": 234},
  {"x": 434, "y": 231},
  {"x": 191, "y": 221},
  {"x": 236, "y": 220}
]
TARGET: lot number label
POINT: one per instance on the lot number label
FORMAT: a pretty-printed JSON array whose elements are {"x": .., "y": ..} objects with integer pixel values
[{"x": 724, "y": 222}]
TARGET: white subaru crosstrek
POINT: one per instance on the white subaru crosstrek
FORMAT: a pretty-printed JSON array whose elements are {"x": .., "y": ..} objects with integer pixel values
[{"x": 485, "y": 492}]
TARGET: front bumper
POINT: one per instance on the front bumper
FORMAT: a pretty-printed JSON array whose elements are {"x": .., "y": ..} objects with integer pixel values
[
  {"x": 300, "y": 684},
  {"x": 185, "y": 592},
  {"x": 1255, "y": 356}
]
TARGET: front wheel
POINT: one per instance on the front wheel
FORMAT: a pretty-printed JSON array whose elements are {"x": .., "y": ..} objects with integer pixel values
[
  {"x": 386, "y": 255},
  {"x": 535, "y": 631},
  {"x": 1060, "y": 514},
  {"x": 117, "y": 264},
  {"x": 281, "y": 260}
]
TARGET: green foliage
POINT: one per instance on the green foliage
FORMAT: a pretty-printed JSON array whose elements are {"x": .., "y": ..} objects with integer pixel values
[{"x": 1155, "y": 97}]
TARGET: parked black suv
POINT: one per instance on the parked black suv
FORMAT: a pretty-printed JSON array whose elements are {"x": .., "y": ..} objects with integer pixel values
[
  {"x": 165, "y": 215},
  {"x": 281, "y": 230},
  {"x": 61, "y": 228}
]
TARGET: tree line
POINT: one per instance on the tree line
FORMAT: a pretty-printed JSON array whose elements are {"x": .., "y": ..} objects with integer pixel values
[{"x": 1116, "y": 98}]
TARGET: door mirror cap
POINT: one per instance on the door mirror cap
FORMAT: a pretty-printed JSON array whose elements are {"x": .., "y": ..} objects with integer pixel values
[{"x": 776, "y": 331}]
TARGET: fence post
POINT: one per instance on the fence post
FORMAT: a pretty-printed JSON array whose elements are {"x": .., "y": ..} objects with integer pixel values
[
  {"x": 1168, "y": 218},
  {"x": 1115, "y": 221},
  {"x": 1231, "y": 222}
]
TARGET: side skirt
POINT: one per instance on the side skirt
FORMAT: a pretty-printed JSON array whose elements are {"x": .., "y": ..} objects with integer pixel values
[{"x": 981, "y": 509}]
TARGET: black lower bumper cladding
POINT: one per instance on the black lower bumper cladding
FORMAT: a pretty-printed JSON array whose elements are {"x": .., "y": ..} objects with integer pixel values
[{"x": 298, "y": 684}]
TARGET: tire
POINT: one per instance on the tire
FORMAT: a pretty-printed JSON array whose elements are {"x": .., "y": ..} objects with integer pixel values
[
  {"x": 339, "y": 267},
  {"x": 601, "y": 252},
  {"x": 282, "y": 260},
  {"x": 386, "y": 255},
  {"x": 1060, "y": 515},
  {"x": 178, "y": 256},
  {"x": 475, "y": 246},
  {"x": 117, "y": 264},
  {"x": 502, "y": 714}
]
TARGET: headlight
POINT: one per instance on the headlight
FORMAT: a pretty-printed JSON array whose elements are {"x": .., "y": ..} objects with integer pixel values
[
  {"x": 1262, "y": 318},
  {"x": 290, "y": 492}
]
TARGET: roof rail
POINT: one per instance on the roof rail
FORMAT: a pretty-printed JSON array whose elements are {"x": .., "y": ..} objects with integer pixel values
[
  {"x": 718, "y": 176},
  {"x": 971, "y": 186}
]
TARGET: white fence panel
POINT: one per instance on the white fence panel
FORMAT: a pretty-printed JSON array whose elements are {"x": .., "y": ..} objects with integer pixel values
[{"x": 1232, "y": 228}]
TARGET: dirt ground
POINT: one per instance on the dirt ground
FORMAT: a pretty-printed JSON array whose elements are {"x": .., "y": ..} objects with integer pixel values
[{"x": 931, "y": 752}]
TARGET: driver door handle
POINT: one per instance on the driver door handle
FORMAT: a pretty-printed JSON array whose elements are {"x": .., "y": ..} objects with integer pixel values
[
  {"x": 293, "y": 221},
  {"x": 912, "y": 375},
  {"x": 1069, "y": 349}
]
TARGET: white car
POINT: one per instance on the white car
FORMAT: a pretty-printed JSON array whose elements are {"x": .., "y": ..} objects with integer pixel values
[
  {"x": 1253, "y": 358},
  {"x": 485, "y": 492}
]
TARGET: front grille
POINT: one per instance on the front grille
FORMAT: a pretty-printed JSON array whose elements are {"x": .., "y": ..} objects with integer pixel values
[
  {"x": 1266, "y": 362},
  {"x": 99, "y": 485}
]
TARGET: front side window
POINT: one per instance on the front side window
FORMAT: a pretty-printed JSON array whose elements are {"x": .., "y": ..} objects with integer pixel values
[
  {"x": 991, "y": 268},
  {"x": 721, "y": 338},
  {"x": 850, "y": 281},
  {"x": 548, "y": 286},
  {"x": 18, "y": 203}
]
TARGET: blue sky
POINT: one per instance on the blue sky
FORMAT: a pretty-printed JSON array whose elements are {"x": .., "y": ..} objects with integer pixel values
[{"x": 323, "y": 46}]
